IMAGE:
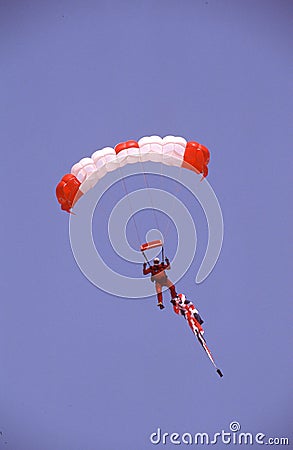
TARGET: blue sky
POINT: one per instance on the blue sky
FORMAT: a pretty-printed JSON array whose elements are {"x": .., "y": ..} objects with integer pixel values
[{"x": 84, "y": 370}]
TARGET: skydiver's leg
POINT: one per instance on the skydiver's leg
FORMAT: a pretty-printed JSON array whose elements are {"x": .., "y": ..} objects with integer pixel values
[
  {"x": 198, "y": 318},
  {"x": 195, "y": 326},
  {"x": 172, "y": 288},
  {"x": 159, "y": 295}
]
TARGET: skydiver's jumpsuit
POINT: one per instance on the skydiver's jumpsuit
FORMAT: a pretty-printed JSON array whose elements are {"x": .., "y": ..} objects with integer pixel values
[
  {"x": 190, "y": 313},
  {"x": 160, "y": 278}
]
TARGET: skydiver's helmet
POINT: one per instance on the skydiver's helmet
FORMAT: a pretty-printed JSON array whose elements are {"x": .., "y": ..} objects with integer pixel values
[
  {"x": 156, "y": 261},
  {"x": 182, "y": 298}
]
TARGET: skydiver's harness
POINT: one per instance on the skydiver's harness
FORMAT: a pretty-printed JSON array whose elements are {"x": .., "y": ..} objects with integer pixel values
[
  {"x": 164, "y": 277},
  {"x": 153, "y": 268}
]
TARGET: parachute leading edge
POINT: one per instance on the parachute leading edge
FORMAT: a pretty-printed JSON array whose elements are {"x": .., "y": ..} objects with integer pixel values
[{"x": 170, "y": 150}]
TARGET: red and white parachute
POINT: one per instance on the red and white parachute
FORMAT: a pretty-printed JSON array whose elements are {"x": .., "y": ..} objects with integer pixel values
[{"x": 170, "y": 150}]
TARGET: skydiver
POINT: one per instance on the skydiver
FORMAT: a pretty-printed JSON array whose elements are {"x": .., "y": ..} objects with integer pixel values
[
  {"x": 186, "y": 308},
  {"x": 160, "y": 278}
]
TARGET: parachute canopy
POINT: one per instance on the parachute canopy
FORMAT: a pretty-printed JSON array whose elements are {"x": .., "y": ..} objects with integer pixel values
[{"x": 170, "y": 150}]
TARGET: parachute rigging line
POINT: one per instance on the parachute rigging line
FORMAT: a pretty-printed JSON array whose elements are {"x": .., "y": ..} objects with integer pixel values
[
  {"x": 178, "y": 189},
  {"x": 150, "y": 195},
  {"x": 130, "y": 205}
]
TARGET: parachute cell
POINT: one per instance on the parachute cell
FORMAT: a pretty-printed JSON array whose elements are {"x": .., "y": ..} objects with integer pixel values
[{"x": 67, "y": 190}]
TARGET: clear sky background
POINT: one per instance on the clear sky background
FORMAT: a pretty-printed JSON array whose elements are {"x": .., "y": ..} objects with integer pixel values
[{"x": 84, "y": 370}]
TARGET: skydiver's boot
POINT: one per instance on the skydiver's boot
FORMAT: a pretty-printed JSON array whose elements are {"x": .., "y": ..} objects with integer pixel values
[{"x": 160, "y": 300}]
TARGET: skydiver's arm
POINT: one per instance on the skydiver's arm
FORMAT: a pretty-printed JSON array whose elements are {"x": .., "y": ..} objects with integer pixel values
[
  {"x": 146, "y": 270},
  {"x": 176, "y": 308},
  {"x": 192, "y": 308},
  {"x": 167, "y": 266}
]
